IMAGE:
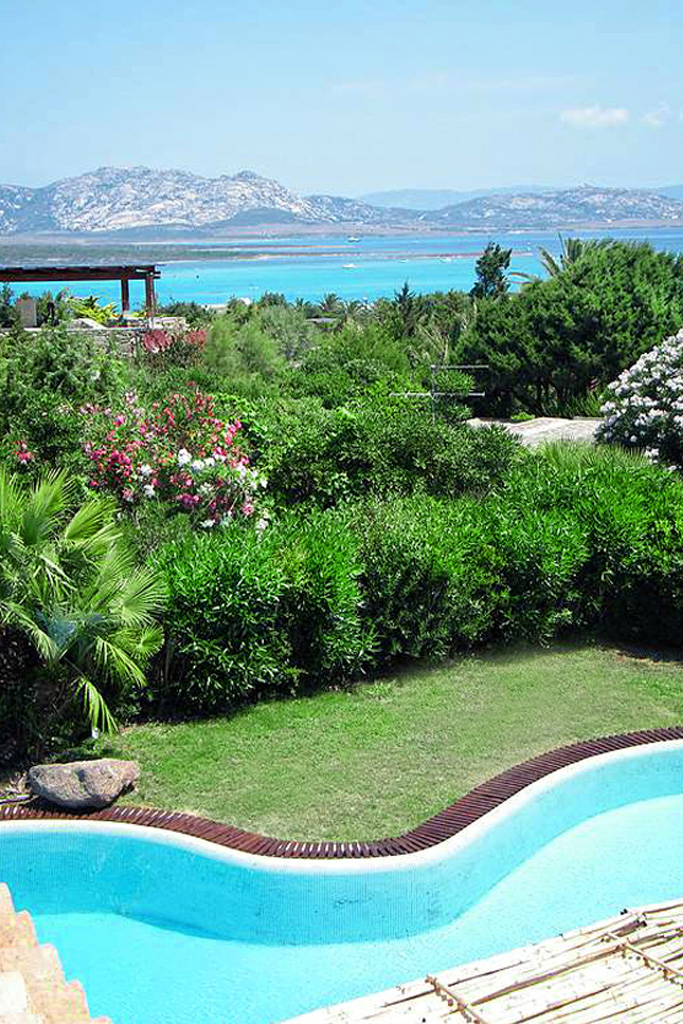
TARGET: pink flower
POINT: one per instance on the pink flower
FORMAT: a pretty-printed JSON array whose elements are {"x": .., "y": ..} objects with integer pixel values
[{"x": 23, "y": 454}]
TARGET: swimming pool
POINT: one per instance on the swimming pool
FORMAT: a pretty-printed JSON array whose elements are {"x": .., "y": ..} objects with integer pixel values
[{"x": 166, "y": 928}]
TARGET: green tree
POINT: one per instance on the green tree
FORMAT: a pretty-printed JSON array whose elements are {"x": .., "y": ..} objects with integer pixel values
[
  {"x": 73, "y": 596},
  {"x": 407, "y": 310},
  {"x": 559, "y": 339},
  {"x": 490, "y": 270},
  {"x": 9, "y": 316}
]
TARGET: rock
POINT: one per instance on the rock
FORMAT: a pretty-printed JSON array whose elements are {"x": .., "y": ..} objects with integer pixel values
[{"x": 83, "y": 784}]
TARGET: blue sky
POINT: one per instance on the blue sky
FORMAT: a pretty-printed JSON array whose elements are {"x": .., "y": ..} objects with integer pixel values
[{"x": 345, "y": 96}]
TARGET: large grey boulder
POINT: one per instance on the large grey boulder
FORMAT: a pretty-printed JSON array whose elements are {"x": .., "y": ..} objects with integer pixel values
[{"x": 80, "y": 785}]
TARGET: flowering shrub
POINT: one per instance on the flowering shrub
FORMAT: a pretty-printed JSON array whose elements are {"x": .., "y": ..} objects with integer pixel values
[
  {"x": 645, "y": 408},
  {"x": 179, "y": 346},
  {"x": 180, "y": 453},
  {"x": 24, "y": 454}
]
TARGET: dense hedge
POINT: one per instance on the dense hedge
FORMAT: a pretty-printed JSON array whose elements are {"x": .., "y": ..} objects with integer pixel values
[
  {"x": 249, "y": 616},
  {"x": 573, "y": 538},
  {"x": 382, "y": 446}
]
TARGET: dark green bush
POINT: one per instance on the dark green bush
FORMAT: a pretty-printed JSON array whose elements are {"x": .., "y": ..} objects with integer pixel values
[
  {"x": 629, "y": 515},
  {"x": 388, "y": 446},
  {"x": 427, "y": 578},
  {"x": 251, "y": 616}
]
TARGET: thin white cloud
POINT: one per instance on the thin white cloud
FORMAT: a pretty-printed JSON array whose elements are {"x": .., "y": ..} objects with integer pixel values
[
  {"x": 364, "y": 87},
  {"x": 658, "y": 116},
  {"x": 595, "y": 117}
]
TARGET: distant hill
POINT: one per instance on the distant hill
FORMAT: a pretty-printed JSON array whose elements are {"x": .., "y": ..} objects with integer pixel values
[
  {"x": 142, "y": 203},
  {"x": 586, "y": 205},
  {"x": 437, "y": 198},
  {"x": 116, "y": 199}
]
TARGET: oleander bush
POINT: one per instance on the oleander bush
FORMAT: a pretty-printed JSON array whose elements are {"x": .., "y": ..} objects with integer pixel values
[
  {"x": 572, "y": 538},
  {"x": 427, "y": 580},
  {"x": 630, "y": 516},
  {"x": 250, "y": 616},
  {"x": 645, "y": 405},
  {"x": 177, "y": 452}
]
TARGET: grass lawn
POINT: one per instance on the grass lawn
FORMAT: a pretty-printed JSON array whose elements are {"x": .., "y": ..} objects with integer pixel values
[{"x": 379, "y": 759}]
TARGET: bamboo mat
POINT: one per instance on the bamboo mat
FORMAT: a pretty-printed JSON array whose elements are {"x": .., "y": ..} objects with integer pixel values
[{"x": 628, "y": 969}]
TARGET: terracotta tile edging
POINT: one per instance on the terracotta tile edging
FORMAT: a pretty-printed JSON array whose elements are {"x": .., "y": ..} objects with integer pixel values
[{"x": 447, "y": 823}]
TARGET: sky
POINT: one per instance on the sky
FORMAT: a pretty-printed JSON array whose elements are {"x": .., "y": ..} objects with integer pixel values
[{"x": 343, "y": 96}]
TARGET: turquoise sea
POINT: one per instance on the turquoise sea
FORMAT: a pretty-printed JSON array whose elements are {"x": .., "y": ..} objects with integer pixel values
[{"x": 371, "y": 267}]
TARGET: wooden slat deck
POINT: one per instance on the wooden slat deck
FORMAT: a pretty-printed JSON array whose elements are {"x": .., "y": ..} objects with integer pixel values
[{"x": 627, "y": 969}]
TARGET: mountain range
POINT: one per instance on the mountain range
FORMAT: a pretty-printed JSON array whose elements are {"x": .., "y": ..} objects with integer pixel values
[
  {"x": 143, "y": 202},
  {"x": 437, "y": 198}
]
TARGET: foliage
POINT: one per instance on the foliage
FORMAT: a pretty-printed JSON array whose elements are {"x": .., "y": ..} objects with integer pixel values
[
  {"x": 645, "y": 406},
  {"x": 195, "y": 315},
  {"x": 381, "y": 446},
  {"x": 9, "y": 314},
  {"x": 550, "y": 345},
  {"x": 45, "y": 377},
  {"x": 490, "y": 272},
  {"x": 571, "y": 249},
  {"x": 160, "y": 347},
  {"x": 91, "y": 308},
  {"x": 77, "y": 606},
  {"x": 628, "y": 514},
  {"x": 53, "y": 309},
  {"x": 242, "y": 353},
  {"x": 250, "y": 616},
  {"x": 425, "y": 591},
  {"x": 179, "y": 453}
]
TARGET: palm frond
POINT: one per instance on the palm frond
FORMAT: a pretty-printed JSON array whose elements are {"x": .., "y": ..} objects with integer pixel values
[
  {"x": 44, "y": 507},
  {"x": 14, "y": 614},
  {"x": 140, "y": 644},
  {"x": 91, "y": 525},
  {"x": 115, "y": 663},
  {"x": 96, "y": 709}
]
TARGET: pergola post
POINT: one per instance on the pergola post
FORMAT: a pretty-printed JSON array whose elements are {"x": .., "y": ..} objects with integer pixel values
[
  {"x": 125, "y": 295},
  {"x": 149, "y": 294}
]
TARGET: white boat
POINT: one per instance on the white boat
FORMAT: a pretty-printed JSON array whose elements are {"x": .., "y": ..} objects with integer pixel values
[
  {"x": 353, "y": 238},
  {"x": 348, "y": 266}
]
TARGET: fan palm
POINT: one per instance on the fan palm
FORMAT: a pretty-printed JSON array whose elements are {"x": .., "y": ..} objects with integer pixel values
[
  {"x": 331, "y": 305},
  {"x": 571, "y": 249},
  {"x": 70, "y": 584}
]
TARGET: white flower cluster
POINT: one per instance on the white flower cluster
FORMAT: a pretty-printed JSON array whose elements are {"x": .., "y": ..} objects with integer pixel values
[
  {"x": 250, "y": 478},
  {"x": 645, "y": 408}
]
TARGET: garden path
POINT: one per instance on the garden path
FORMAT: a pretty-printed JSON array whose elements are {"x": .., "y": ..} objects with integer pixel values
[{"x": 546, "y": 428}]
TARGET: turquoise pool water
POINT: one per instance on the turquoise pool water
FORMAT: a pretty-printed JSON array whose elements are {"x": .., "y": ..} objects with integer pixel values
[{"x": 160, "y": 933}]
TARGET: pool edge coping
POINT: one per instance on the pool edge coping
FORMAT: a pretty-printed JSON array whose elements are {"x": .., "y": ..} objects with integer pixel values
[{"x": 444, "y": 825}]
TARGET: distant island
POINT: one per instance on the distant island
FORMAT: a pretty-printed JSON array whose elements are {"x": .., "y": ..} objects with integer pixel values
[{"x": 142, "y": 203}]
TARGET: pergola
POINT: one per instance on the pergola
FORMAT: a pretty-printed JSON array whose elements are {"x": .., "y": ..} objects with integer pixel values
[{"x": 136, "y": 272}]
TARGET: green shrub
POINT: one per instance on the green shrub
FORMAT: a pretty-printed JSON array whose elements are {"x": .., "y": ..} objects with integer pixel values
[
  {"x": 45, "y": 378},
  {"x": 630, "y": 515},
  {"x": 388, "y": 446},
  {"x": 252, "y": 616},
  {"x": 551, "y": 344},
  {"x": 426, "y": 576}
]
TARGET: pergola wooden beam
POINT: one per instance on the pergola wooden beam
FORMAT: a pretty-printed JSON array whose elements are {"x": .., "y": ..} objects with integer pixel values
[{"x": 125, "y": 273}]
